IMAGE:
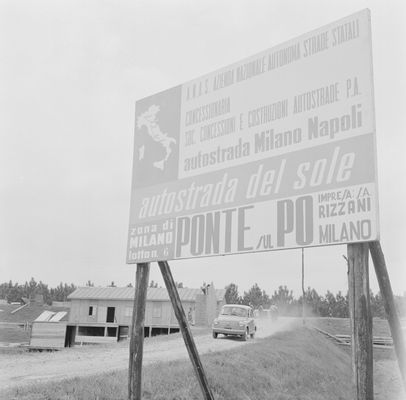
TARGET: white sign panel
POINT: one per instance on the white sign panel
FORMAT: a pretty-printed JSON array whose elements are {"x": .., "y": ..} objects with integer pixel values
[{"x": 274, "y": 152}]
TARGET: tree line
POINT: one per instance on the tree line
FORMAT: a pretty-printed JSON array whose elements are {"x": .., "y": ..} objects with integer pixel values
[
  {"x": 328, "y": 305},
  {"x": 15, "y": 292}
]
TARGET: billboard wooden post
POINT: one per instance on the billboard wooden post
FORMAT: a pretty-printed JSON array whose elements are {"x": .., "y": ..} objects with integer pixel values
[
  {"x": 303, "y": 291},
  {"x": 137, "y": 332},
  {"x": 389, "y": 304},
  {"x": 361, "y": 320},
  {"x": 184, "y": 327}
]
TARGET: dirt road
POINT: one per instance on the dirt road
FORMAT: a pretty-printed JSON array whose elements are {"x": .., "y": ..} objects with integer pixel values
[{"x": 26, "y": 368}]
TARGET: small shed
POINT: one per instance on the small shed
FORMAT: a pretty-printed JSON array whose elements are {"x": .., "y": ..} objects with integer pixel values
[{"x": 48, "y": 331}]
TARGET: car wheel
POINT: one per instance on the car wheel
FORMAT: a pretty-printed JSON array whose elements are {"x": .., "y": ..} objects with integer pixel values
[
  {"x": 215, "y": 335},
  {"x": 246, "y": 335}
]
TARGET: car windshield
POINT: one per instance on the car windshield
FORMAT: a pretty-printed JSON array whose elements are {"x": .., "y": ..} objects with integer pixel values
[{"x": 237, "y": 311}]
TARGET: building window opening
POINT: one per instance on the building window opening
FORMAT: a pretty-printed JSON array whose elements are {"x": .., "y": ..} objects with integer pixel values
[
  {"x": 154, "y": 331},
  {"x": 157, "y": 310},
  {"x": 111, "y": 331},
  {"x": 92, "y": 311},
  {"x": 124, "y": 332},
  {"x": 91, "y": 331},
  {"x": 110, "y": 314}
]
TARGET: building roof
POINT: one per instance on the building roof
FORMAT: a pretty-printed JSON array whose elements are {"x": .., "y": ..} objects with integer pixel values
[
  {"x": 28, "y": 313},
  {"x": 238, "y": 305},
  {"x": 52, "y": 316},
  {"x": 127, "y": 293}
]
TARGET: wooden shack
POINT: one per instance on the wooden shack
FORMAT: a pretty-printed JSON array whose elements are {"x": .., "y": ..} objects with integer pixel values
[
  {"x": 104, "y": 314},
  {"x": 48, "y": 331}
]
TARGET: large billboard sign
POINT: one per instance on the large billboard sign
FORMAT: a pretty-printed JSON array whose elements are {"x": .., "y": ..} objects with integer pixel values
[{"x": 276, "y": 151}]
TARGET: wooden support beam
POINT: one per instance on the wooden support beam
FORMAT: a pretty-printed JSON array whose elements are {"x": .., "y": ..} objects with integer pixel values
[
  {"x": 303, "y": 291},
  {"x": 137, "y": 332},
  {"x": 389, "y": 304},
  {"x": 361, "y": 320},
  {"x": 184, "y": 327}
]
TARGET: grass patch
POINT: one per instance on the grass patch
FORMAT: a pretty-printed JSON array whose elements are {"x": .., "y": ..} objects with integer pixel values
[
  {"x": 12, "y": 350},
  {"x": 300, "y": 364},
  {"x": 14, "y": 334}
]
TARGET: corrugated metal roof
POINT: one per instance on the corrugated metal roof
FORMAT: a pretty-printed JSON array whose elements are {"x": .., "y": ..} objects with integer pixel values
[
  {"x": 113, "y": 293},
  {"x": 127, "y": 293}
]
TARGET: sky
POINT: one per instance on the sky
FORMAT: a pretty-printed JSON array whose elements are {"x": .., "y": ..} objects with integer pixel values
[{"x": 70, "y": 73}]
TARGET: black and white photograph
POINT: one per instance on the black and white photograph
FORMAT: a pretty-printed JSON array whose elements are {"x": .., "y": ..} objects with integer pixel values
[{"x": 202, "y": 200}]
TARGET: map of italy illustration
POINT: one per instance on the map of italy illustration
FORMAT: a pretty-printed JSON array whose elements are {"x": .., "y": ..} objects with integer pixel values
[{"x": 150, "y": 121}]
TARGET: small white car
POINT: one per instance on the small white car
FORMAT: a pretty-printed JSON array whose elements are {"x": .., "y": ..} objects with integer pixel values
[{"x": 236, "y": 320}]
